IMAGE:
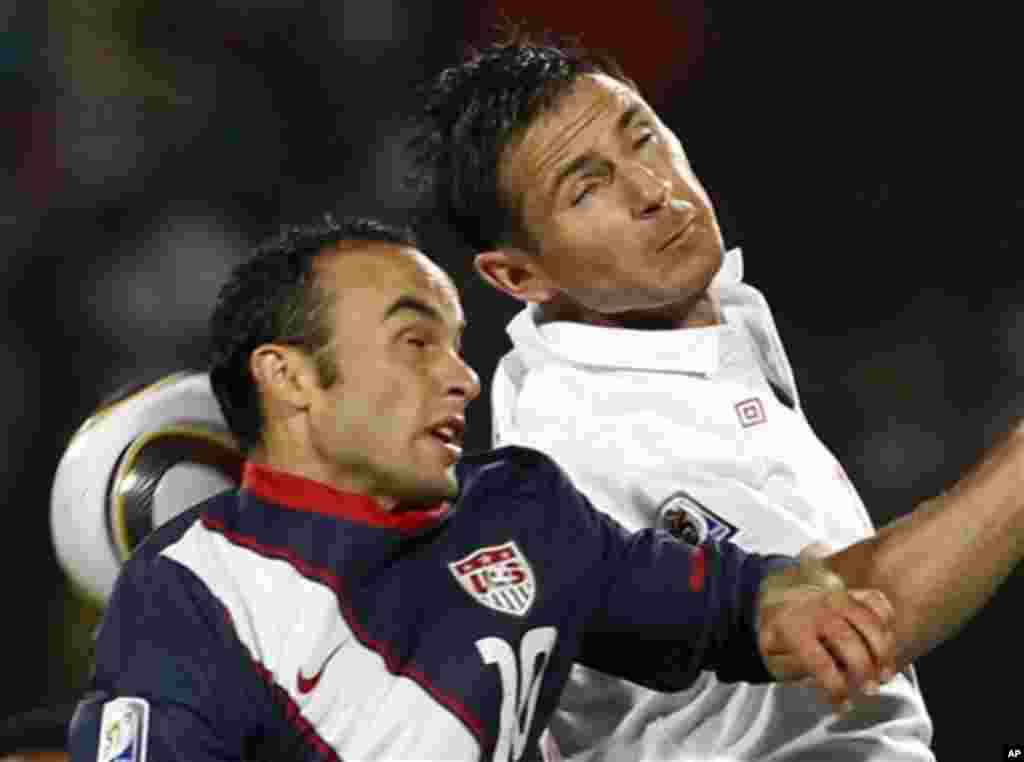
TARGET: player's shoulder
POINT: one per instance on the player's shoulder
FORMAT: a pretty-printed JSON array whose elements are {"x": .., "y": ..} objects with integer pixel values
[
  {"x": 171, "y": 532},
  {"x": 164, "y": 572},
  {"x": 508, "y": 459},
  {"x": 510, "y": 468}
]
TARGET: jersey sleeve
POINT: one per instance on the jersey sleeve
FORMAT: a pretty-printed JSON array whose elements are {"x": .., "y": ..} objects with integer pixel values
[
  {"x": 169, "y": 681},
  {"x": 680, "y": 608}
]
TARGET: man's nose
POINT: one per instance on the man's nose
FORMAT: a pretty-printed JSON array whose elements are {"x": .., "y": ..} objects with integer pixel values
[
  {"x": 461, "y": 380},
  {"x": 650, "y": 192}
]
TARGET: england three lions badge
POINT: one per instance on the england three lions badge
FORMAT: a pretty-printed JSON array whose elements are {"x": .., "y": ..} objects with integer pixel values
[
  {"x": 498, "y": 577},
  {"x": 690, "y": 521}
]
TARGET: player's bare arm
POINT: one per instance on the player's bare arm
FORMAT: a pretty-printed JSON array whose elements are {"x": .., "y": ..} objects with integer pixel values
[{"x": 941, "y": 563}]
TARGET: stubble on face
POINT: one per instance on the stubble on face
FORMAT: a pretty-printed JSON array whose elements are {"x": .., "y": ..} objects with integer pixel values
[
  {"x": 369, "y": 430},
  {"x": 603, "y": 261}
]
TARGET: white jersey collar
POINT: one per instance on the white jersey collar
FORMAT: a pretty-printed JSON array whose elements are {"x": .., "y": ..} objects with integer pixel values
[
  {"x": 676, "y": 351},
  {"x": 707, "y": 352}
]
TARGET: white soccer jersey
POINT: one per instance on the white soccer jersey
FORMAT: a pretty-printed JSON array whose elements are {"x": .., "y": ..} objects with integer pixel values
[{"x": 681, "y": 428}]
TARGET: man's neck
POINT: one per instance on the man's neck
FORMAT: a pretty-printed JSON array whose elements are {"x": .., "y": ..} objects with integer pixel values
[
  {"x": 699, "y": 313},
  {"x": 284, "y": 459}
]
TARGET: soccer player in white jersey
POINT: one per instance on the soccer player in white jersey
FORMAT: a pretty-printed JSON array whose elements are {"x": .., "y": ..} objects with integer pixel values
[{"x": 645, "y": 366}]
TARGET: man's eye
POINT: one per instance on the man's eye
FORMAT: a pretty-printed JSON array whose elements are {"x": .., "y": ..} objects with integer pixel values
[
  {"x": 584, "y": 193},
  {"x": 416, "y": 341},
  {"x": 644, "y": 139}
]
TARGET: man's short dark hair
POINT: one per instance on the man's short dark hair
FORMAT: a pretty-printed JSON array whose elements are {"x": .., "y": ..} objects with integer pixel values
[
  {"x": 471, "y": 114},
  {"x": 274, "y": 297}
]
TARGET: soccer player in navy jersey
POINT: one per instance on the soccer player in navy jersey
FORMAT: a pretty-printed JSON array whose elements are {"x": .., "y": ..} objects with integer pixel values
[{"x": 368, "y": 593}]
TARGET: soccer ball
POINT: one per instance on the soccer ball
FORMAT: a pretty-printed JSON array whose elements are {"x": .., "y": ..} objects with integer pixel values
[{"x": 139, "y": 460}]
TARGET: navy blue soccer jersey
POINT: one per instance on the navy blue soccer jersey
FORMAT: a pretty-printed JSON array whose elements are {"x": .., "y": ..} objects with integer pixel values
[{"x": 287, "y": 620}]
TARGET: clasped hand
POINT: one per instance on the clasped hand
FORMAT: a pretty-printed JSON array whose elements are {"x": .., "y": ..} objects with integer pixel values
[{"x": 812, "y": 627}]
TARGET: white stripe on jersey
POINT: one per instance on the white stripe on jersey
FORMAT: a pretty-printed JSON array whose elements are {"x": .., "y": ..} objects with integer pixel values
[{"x": 293, "y": 627}]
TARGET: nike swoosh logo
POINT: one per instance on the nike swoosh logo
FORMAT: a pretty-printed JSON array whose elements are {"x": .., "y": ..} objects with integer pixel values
[{"x": 306, "y": 684}]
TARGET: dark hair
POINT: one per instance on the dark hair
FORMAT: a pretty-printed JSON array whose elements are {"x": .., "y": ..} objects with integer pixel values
[
  {"x": 274, "y": 297},
  {"x": 474, "y": 110}
]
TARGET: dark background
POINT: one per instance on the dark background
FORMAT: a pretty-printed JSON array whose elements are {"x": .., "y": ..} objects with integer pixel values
[{"x": 865, "y": 158}]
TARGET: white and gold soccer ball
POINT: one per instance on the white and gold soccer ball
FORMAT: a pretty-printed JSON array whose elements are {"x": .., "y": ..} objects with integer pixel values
[{"x": 135, "y": 463}]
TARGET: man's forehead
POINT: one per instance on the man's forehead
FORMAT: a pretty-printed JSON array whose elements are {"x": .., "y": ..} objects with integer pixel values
[
  {"x": 553, "y": 138},
  {"x": 613, "y": 88},
  {"x": 587, "y": 93},
  {"x": 384, "y": 272}
]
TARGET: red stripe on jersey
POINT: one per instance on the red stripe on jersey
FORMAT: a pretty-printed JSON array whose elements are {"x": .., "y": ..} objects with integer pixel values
[
  {"x": 305, "y": 729},
  {"x": 291, "y": 710},
  {"x": 698, "y": 569}
]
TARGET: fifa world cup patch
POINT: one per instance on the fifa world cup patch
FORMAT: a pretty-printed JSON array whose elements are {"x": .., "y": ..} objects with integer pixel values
[
  {"x": 124, "y": 728},
  {"x": 683, "y": 517},
  {"x": 499, "y": 577}
]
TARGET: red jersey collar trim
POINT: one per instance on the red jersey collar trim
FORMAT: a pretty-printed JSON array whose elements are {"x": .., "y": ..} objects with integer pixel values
[{"x": 302, "y": 494}]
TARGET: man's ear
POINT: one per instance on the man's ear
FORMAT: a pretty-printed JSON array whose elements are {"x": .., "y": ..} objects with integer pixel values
[
  {"x": 284, "y": 374},
  {"x": 516, "y": 273}
]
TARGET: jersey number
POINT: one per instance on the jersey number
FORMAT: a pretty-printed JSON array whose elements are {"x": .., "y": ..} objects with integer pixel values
[{"x": 519, "y": 688}]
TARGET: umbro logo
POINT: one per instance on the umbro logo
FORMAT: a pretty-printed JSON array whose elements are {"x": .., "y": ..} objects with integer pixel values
[{"x": 751, "y": 412}]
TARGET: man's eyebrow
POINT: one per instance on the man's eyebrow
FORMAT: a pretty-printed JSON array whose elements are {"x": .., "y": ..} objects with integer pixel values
[
  {"x": 570, "y": 169},
  {"x": 581, "y": 161},
  {"x": 414, "y": 304},
  {"x": 418, "y": 306}
]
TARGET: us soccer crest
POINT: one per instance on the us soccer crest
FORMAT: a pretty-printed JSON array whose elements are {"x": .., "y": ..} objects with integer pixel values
[
  {"x": 499, "y": 577},
  {"x": 690, "y": 521}
]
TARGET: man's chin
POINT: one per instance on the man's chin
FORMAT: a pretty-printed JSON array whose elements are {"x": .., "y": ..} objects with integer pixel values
[{"x": 428, "y": 493}]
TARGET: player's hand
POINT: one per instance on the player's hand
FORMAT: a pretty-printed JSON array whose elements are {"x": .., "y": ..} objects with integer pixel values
[{"x": 811, "y": 626}]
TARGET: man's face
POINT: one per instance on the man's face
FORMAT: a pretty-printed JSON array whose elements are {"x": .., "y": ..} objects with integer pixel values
[
  {"x": 391, "y": 425},
  {"x": 618, "y": 218}
]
